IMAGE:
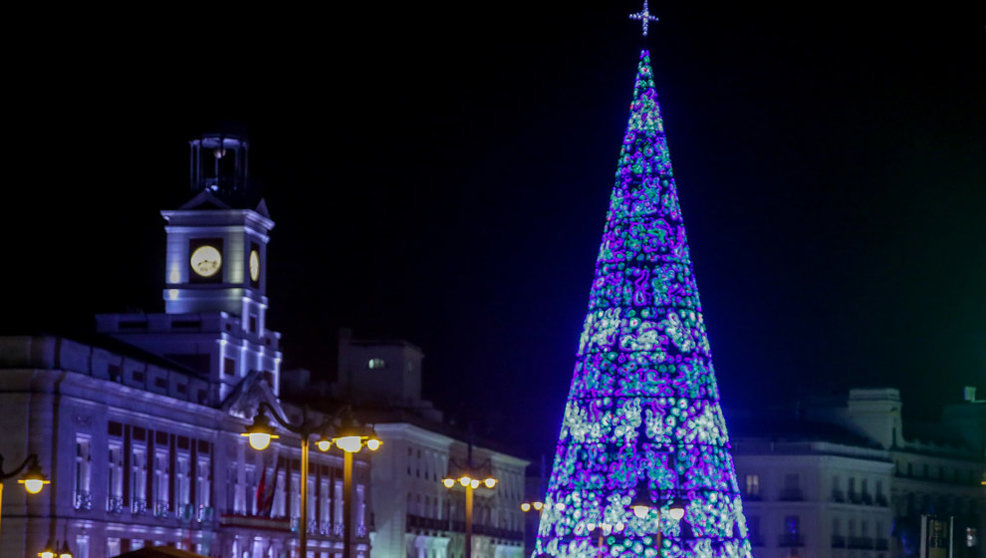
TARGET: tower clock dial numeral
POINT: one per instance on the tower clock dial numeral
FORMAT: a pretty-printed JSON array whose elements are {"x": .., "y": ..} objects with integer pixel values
[
  {"x": 206, "y": 261},
  {"x": 254, "y": 265}
]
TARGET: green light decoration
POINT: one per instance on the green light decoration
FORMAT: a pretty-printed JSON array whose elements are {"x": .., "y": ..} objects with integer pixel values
[{"x": 643, "y": 412}]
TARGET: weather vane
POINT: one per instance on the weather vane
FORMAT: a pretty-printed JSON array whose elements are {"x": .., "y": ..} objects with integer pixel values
[{"x": 644, "y": 16}]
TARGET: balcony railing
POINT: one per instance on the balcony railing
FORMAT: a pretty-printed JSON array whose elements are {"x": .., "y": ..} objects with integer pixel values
[
  {"x": 114, "y": 504},
  {"x": 838, "y": 496},
  {"x": 838, "y": 541},
  {"x": 881, "y": 501},
  {"x": 83, "y": 500},
  {"x": 419, "y": 522},
  {"x": 861, "y": 543},
  {"x": 867, "y": 499},
  {"x": 855, "y": 498},
  {"x": 792, "y": 495},
  {"x": 752, "y": 496},
  {"x": 138, "y": 507}
]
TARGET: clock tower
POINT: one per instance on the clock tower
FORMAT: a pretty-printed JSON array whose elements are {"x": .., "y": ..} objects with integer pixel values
[{"x": 215, "y": 282}]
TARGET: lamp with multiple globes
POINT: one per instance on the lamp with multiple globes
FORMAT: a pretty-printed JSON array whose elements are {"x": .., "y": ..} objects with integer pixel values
[
  {"x": 642, "y": 506},
  {"x": 539, "y": 506},
  {"x": 341, "y": 430},
  {"x": 469, "y": 477},
  {"x": 51, "y": 552}
]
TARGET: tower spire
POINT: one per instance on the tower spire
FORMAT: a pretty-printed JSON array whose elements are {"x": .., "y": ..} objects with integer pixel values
[{"x": 642, "y": 422}]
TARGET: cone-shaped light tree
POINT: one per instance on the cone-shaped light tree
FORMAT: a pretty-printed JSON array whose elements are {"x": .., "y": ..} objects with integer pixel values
[{"x": 643, "y": 419}]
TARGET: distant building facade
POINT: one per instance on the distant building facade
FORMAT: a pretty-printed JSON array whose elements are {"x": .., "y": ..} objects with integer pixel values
[
  {"x": 843, "y": 480},
  {"x": 415, "y": 516},
  {"x": 140, "y": 430}
]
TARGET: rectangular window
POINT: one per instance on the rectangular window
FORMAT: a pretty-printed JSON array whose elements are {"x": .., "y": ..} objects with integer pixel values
[
  {"x": 138, "y": 479},
  {"x": 114, "y": 488},
  {"x": 753, "y": 485},
  {"x": 203, "y": 486},
  {"x": 162, "y": 476},
  {"x": 83, "y": 469},
  {"x": 792, "y": 525},
  {"x": 229, "y": 367},
  {"x": 183, "y": 484}
]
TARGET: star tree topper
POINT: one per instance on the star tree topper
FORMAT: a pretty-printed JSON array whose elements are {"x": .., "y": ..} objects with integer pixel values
[{"x": 644, "y": 16}]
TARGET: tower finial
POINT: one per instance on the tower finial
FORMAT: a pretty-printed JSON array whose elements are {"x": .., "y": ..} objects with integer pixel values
[{"x": 644, "y": 16}]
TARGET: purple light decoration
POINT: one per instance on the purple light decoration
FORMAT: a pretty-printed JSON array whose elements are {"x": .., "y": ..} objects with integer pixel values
[{"x": 643, "y": 411}]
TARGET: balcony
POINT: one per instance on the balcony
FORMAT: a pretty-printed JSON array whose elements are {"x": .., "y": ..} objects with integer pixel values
[
  {"x": 788, "y": 540},
  {"x": 838, "y": 496},
  {"x": 792, "y": 495},
  {"x": 867, "y": 499},
  {"x": 83, "y": 500},
  {"x": 838, "y": 541},
  {"x": 138, "y": 507},
  {"x": 114, "y": 505},
  {"x": 855, "y": 498},
  {"x": 881, "y": 501},
  {"x": 861, "y": 543},
  {"x": 255, "y": 522}
]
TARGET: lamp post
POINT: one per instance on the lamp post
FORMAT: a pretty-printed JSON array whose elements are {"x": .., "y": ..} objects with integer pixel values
[
  {"x": 348, "y": 436},
  {"x": 33, "y": 479},
  {"x": 50, "y": 552},
  {"x": 641, "y": 506},
  {"x": 469, "y": 479},
  {"x": 604, "y": 529}
]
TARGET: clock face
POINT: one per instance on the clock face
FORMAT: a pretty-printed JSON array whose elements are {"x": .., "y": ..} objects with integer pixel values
[
  {"x": 254, "y": 265},
  {"x": 206, "y": 261}
]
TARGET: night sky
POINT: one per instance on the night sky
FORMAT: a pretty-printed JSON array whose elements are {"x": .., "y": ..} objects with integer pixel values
[{"x": 441, "y": 173}]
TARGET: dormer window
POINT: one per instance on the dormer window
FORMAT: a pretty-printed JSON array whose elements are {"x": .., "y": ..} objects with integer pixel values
[{"x": 376, "y": 364}]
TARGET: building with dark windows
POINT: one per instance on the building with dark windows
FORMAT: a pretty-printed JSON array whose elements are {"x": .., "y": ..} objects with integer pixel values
[
  {"x": 415, "y": 516},
  {"x": 139, "y": 429},
  {"x": 845, "y": 477}
]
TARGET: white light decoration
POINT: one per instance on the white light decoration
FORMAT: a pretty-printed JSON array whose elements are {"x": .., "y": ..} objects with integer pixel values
[{"x": 644, "y": 17}]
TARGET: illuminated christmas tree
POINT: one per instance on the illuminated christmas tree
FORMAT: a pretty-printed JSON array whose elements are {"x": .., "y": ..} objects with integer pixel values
[{"x": 643, "y": 419}]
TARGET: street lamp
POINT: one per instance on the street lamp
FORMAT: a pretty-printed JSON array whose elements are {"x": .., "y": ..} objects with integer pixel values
[
  {"x": 604, "y": 529},
  {"x": 33, "y": 479},
  {"x": 469, "y": 477},
  {"x": 641, "y": 506},
  {"x": 348, "y": 436},
  {"x": 50, "y": 552}
]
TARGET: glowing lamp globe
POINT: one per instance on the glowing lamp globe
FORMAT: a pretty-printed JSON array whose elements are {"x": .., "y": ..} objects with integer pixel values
[
  {"x": 538, "y": 505},
  {"x": 641, "y": 511},
  {"x": 490, "y": 482},
  {"x": 323, "y": 444},
  {"x": 465, "y": 480},
  {"x": 525, "y": 507},
  {"x": 260, "y": 433},
  {"x": 676, "y": 511},
  {"x": 46, "y": 553},
  {"x": 373, "y": 444},
  {"x": 33, "y": 480},
  {"x": 259, "y": 440},
  {"x": 474, "y": 483},
  {"x": 349, "y": 444},
  {"x": 65, "y": 552},
  {"x": 449, "y": 483}
]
